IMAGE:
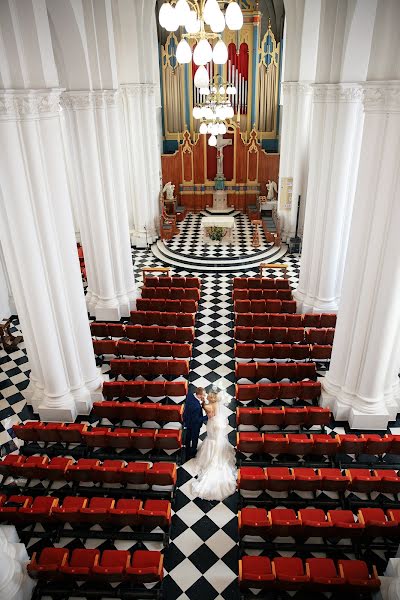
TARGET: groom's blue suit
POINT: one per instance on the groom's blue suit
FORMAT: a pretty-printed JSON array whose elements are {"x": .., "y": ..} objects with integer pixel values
[{"x": 193, "y": 419}]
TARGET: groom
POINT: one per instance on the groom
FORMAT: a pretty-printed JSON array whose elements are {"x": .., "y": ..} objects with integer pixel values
[{"x": 193, "y": 419}]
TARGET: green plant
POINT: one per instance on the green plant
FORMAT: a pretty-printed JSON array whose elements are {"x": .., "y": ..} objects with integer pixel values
[{"x": 216, "y": 233}]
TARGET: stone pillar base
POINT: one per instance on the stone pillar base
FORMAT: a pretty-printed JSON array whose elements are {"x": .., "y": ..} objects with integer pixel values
[{"x": 308, "y": 305}]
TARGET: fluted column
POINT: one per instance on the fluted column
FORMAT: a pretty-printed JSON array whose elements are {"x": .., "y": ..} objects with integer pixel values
[
  {"x": 334, "y": 154},
  {"x": 143, "y": 163},
  {"x": 94, "y": 128},
  {"x": 297, "y": 96},
  {"x": 361, "y": 384},
  {"x": 40, "y": 252}
]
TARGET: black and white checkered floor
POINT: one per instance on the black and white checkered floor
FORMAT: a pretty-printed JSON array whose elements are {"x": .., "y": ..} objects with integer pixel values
[{"x": 202, "y": 559}]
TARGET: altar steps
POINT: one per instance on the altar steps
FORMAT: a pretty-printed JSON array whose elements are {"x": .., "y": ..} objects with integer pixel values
[
  {"x": 215, "y": 265},
  {"x": 223, "y": 212}
]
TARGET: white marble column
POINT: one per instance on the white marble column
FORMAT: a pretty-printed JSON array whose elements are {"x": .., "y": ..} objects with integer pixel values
[
  {"x": 362, "y": 385},
  {"x": 294, "y": 161},
  {"x": 333, "y": 163},
  {"x": 142, "y": 160},
  {"x": 39, "y": 246},
  {"x": 94, "y": 132},
  {"x": 7, "y": 304}
]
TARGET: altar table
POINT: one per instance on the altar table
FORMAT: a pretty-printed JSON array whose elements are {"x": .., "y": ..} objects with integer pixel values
[{"x": 225, "y": 222}]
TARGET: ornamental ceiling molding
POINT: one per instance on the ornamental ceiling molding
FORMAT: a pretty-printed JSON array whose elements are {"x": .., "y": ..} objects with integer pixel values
[
  {"x": 89, "y": 99},
  {"x": 337, "y": 92},
  {"x": 19, "y": 105},
  {"x": 381, "y": 96}
]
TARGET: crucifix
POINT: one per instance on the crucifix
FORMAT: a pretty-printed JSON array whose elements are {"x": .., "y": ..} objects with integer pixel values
[{"x": 221, "y": 143}]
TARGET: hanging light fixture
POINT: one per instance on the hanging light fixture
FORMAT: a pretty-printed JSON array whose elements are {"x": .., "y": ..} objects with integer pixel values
[
  {"x": 195, "y": 16},
  {"x": 201, "y": 78},
  {"x": 183, "y": 52},
  {"x": 212, "y": 141}
]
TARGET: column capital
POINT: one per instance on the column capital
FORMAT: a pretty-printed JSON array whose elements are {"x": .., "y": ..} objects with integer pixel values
[
  {"x": 381, "y": 96},
  {"x": 139, "y": 89},
  {"x": 296, "y": 88},
  {"x": 29, "y": 104},
  {"x": 337, "y": 92},
  {"x": 89, "y": 99}
]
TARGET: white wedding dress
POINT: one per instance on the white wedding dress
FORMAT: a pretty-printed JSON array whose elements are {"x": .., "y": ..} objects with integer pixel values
[{"x": 215, "y": 462}]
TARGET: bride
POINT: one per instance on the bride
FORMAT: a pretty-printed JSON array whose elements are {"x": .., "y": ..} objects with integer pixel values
[{"x": 215, "y": 461}]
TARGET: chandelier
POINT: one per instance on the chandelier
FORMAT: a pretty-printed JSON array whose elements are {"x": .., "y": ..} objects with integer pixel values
[
  {"x": 194, "y": 15},
  {"x": 215, "y": 108}
]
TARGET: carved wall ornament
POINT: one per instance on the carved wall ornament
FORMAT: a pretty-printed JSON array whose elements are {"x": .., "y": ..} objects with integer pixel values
[
  {"x": 381, "y": 96},
  {"x": 29, "y": 104},
  {"x": 84, "y": 100},
  {"x": 337, "y": 92}
]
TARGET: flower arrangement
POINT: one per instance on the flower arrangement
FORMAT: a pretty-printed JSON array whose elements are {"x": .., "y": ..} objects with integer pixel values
[{"x": 216, "y": 233}]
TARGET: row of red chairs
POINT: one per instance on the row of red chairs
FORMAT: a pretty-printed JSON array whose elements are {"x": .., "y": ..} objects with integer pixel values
[
  {"x": 253, "y": 319},
  {"x": 276, "y": 371},
  {"x": 310, "y": 522},
  {"x": 259, "y": 352},
  {"x": 264, "y": 306},
  {"x": 306, "y": 479},
  {"x": 284, "y": 416},
  {"x": 316, "y": 574},
  {"x": 88, "y": 470},
  {"x": 156, "y": 317},
  {"x": 285, "y": 335},
  {"x": 172, "y": 293},
  {"x": 261, "y": 295},
  {"x": 172, "y": 306},
  {"x": 119, "y": 411},
  {"x": 167, "y": 282},
  {"x": 22, "y": 510},
  {"x": 142, "y": 566},
  {"x": 321, "y": 444},
  {"x": 142, "y": 349},
  {"x": 175, "y": 390},
  {"x": 303, "y": 390},
  {"x": 149, "y": 368},
  {"x": 120, "y": 437},
  {"x": 143, "y": 333},
  {"x": 260, "y": 283}
]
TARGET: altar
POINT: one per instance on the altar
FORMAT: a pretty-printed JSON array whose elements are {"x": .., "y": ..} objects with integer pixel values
[{"x": 208, "y": 225}]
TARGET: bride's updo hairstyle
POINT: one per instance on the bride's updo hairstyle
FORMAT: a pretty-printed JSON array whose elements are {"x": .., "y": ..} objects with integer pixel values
[{"x": 212, "y": 397}]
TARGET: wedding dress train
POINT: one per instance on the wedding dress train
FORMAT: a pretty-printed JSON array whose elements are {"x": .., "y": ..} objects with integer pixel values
[{"x": 215, "y": 461}]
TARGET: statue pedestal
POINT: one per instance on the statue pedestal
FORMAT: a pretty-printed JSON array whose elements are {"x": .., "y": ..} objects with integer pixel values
[{"x": 220, "y": 200}]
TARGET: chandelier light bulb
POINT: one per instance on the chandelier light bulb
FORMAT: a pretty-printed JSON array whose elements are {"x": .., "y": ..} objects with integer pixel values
[
  {"x": 210, "y": 9},
  {"x": 196, "y": 112},
  {"x": 212, "y": 140},
  {"x": 205, "y": 91},
  {"x": 215, "y": 129},
  {"x": 222, "y": 90},
  {"x": 183, "y": 53},
  {"x": 229, "y": 112},
  {"x": 234, "y": 16},
  {"x": 220, "y": 53},
  {"x": 171, "y": 20},
  {"x": 209, "y": 128},
  {"x": 213, "y": 89},
  {"x": 218, "y": 22},
  {"x": 165, "y": 10},
  {"x": 203, "y": 53},
  {"x": 192, "y": 24},
  {"x": 201, "y": 79},
  {"x": 182, "y": 11},
  {"x": 222, "y": 128},
  {"x": 203, "y": 128},
  {"x": 208, "y": 113},
  {"x": 231, "y": 90}
]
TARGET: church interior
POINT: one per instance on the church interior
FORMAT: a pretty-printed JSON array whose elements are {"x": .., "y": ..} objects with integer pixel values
[{"x": 199, "y": 197}]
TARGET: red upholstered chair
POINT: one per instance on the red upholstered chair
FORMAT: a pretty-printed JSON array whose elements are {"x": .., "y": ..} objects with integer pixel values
[
  {"x": 300, "y": 352},
  {"x": 279, "y": 334},
  {"x": 243, "y": 320},
  {"x": 11, "y": 465},
  {"x": 296, "y": 415},
  {"x": 294, "y": 320},
  {"x": 69, "y": 511},
  {"x": 134, "y": 389},
  {"x": 27, "y": 431},
  {"x": 99, "y": 329},
  {"x": 306, "y": 479},
  {"x": 184, "y": 335},
  {"x": 176, "y": 390},
  {"x": 316, "y": 336},
  {"x": 320, "y": 353},
  {"x": 162, "y": 473},
  {"x": 110, "y": 471},
  {"x": 180, "y": 351},
  {"x": 255, "y": 572},
  {"x": 248, "y": 416},
  {"x": 395, "y": 445},
  {"x": 250, "y": 442},
  {"x": 310, "y": 390},
  {"x": 344, "y": 524},
  {"x": 118, "y": 438},
  {"x": 112, "y": 565},
  {"x": 289, "y": 390},
  {"x": 323, "y": 575},
  {"x": 10, "y": 509},
  {"x": 275, "y": 443},
  {"x": 376, "y": 444},
  {"x": 185, "y": 320},
  {"x": 239, "y": 283},
  {"x": 71, "y": 433},
  {"x": 289, "y": 573},
  {"x": 262, "y": 352},
  {"x": 300, "y": 443},
  {"x": 361, "y": 480},
  {"x": 277, "y": 319},
  {"x": 306, "y": 370},
  {"x": 246, "y": 393},
  {"x": 246, "y": 371},
  {"x": 244, "y": 352},
  {"x": 260, "y": 333},
  {"x": 155, "y": 389},
  {"x": 259, "y": 306},
  {"x": 244, "y": 334},
  {"x": 284, "y": 294},
  {"x": 48, "y": 564},
  {"x": 350, "y": 443},
  {"x": 288, "y": 306},
  {"x": 34, "y": 467},
  {"x": 109, "y": 409},
  {"x": 97, "y": 510},
  {"x": 281, "y": 352},
  {"x": 125, "y": 512},
  {"x": 135, "y": 473},
  {"x": 142, "y": 439},
  {"x": 295, "y": 334},
  {"x": 258, "y": 320},
  {"x": 168, "y": 414},
  {"x": 328, "y": 320},
  {"x": 376, "y": 523},
  {"x": 155, "y": 513},
  {"x": 279, "y": 479},
  {"x": 252, "y": 478},
  {"x": 96, "y": 437},
  {"x": 310, "y": 320},
  {"x": 324, "y": 444},
  {"x": 287, "y": 370},
  {"x": 56, "y": 468},
  {"x": 356, "y": 575},
  {"x": 254, "y": 283},
  {"x": 168, "y": 439},
  {"x": 282, "y": 284},
  {"x": 113, "y": 389},
  {"x": 178, "y": 368},
  {"x": 272, "y": 416},
  {"x": 271, "y": 306},
  {"x": 164, "y": 281},
  {"x": 314, "y": 522},
  {"x": 254, "y": 521},
  {"x": 138, "y": 317},
  {"x": 333, "y": 480},
  {"x": 389, "y": 481},
  {"x": 82, "y": 470},
  {"x": 80, "y": 565},
  {"x": 317, "y": 415},
  {"x": 265, "y": 371},
  {"x": 49, "y": 432},
  {"x": 116, "y": 330},
  {"x": 147, "y": 567},
  {"x": 40, "y": 509},
  {"x": 167, "y": 333},
  {"x": 393, "y": 515},
  {"x": 284, "y": 522}
]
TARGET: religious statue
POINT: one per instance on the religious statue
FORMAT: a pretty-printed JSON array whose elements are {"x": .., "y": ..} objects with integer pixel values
[
  {"x": 221, "y": 143},
  {"x": 169, "y": 189},
  {"x": 271, "y": 189}
]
